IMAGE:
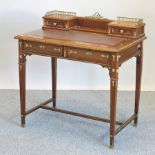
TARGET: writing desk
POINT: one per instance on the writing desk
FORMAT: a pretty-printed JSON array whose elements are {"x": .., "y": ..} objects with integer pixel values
[{"x": 98, "y": 45}]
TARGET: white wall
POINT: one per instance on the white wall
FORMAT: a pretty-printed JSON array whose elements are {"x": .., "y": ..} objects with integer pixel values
[{"x": 18, "y": 16}]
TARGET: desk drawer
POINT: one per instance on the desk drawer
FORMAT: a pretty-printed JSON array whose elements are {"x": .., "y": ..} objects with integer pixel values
[
  {"x": 119, "y": 31},
  {"x": 54, "y": 23},
  {"x": 41, "y": 48},
  {"x": 87, "y": 55}
]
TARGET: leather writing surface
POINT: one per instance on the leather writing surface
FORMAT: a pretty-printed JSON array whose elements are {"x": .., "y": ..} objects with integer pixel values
[{"x": 86, "y": 37}]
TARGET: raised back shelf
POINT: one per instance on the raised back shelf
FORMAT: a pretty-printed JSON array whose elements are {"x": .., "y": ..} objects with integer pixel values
[{"x": 123, "y": 26}]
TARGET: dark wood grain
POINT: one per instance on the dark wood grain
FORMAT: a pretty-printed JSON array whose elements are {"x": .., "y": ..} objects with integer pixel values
[
  {"x": 139, "y": 63},
  {"x": 22, "y": 82},
  {"x": 54, "y": 79}
]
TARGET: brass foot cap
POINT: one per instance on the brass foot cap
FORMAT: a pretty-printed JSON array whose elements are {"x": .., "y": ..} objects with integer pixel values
[
  {"x": 22, "y": 125},
  {"x": 111, "y": 146}
]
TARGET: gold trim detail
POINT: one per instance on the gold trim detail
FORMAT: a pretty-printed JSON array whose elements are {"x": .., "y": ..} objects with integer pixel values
[
  {"x": 20, "y": 56},
  {"x": 57, "y": 49},
  {"x": 121, "y": 31},
  {"x": 96, "y": 15},
  {"x": 118, "y": 57},
  {"x": 111, "y": 136},
  {"x": 66, "y": 26},
  {"x": 20, "y": 68},
  {"x": 71, "y": 58},
  {"x": 57, "y": 13},
  {"x": 88, "y": 53},
  {"x": 28, "y": 45},
  {"x": 114, "y": 83},
  {"x": 72, "y": 52},
  {"x": 113, "y": 57},
  {"x": 139, "y": 46},
  {"x": 135, "y": 34},
  {"x": 113, "y": 70},
  {"x": 54, "y": 23},
  {"x": 65, "y": 53},
  {"x": 104, "y": 56},
  {"x": 42, "y": 46},
  {"x": 135, "y": 21}
]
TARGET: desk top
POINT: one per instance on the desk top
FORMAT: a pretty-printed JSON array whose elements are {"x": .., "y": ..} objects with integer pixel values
[{"x": 89, "y": 40}]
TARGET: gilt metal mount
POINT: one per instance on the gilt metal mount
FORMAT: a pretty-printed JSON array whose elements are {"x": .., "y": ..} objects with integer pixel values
[{"x": 96, "y": 15}]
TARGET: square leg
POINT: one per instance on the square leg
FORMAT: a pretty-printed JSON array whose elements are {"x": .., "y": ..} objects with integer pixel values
[
  {"x": 139, "y": 61},
  {"x": 22, "y": 83},
  {"x": 54, "y": 79},
  {"x": 113, "y": 102}
]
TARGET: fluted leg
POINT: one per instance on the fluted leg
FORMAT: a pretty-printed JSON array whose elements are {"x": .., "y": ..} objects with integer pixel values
[
  {"x": 22, "y": 82},
  {"x": 139, "y": 61},
  {"x": 113, "y": 102}
]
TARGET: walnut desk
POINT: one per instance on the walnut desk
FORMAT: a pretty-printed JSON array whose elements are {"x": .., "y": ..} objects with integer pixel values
[{"x": 91, "y": 39}]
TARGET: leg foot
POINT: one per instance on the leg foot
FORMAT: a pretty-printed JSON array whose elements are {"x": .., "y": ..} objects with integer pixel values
[
  {"x": 54, "y": 103},
  {"x": 135, "y": 124},
  {"x": 111, "y": 141},
  {"x": 23, "y": 125},
  {"x": 111, "y": 146},
  {"x": 22, "y": 121}
]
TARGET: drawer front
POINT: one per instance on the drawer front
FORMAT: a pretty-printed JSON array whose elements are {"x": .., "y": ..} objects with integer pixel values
[
  {"x": 55, "y": 23},
  {"x": 126, "y": 32},
  {"x": 129, "y": 53},
  {"x": 87, "y": 55},
  {"x": 45, "y": 49}
]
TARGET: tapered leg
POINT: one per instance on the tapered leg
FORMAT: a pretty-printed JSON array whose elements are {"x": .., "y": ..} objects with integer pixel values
[
  {"x": 113, "y": 101},
  {"x": 54, "y": 79},
  {"x": 139, "y": 62},
  {"x": 22, "y": 82}
]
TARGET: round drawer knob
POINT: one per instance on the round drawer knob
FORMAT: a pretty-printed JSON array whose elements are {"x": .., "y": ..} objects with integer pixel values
[
  {"x": 121, "y": 31},
  {"x": 54, "y": 24}
]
